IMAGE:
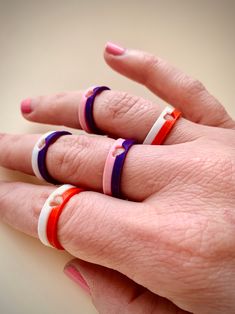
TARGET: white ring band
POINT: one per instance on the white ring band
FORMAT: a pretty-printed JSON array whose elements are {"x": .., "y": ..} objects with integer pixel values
[
  {"x": 158, "y": 125},
  {"x": 45, "y": 213},
  {"x": 35, "y": 153}
]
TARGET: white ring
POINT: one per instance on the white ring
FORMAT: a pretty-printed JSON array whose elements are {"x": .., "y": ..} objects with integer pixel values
[
  {"x": 35, "y": 153},
  {"x": 158, "y": 125},
  {"x": 45, "y": 213}
]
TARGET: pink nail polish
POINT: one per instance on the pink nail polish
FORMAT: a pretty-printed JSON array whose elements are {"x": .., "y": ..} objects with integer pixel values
[
  {"x": 26, "y": 106},
  {"x": 114, "y": 49},
  {"x": 72, "y": 272}
]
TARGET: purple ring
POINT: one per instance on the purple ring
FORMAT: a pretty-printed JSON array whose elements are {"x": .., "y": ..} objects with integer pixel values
[
  {"x": 89, "y": 109},
  {"x": 50, "y": 139},
  {"x": 117, "y": 169}
]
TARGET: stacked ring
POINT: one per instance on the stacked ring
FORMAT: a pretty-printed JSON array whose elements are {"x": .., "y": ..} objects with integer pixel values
[
  {"x": 86, "y": 118},
  {"x": 162, "y": 126},
  {"x": 39, "y": 154},
  {"x": 114, "y": 165},
  {"x": 50, "y": 213}
]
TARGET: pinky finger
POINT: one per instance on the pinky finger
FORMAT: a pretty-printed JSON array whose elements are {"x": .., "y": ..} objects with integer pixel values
[
  {"x": 112, "y": 292},
  {"x": 21, "y": 203}
]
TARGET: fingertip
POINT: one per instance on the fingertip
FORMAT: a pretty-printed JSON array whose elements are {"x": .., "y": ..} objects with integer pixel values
[
  {"x": 26, "y": 106},
  {"x": 73, "y": 272},
  {"x": 114, "y": 49}
]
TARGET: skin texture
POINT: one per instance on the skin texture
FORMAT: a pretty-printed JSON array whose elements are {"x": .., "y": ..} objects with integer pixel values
[{"x": 170, "y": 248}]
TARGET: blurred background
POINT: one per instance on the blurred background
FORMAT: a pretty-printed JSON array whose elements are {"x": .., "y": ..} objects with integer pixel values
[{"x": 51, "y": 46}]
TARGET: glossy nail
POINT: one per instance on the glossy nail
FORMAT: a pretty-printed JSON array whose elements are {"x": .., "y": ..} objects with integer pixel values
[
  {"x": 74, "y": 274},
  {"x": 26, "y": 106},
  {"x": 114, "y": 49}
]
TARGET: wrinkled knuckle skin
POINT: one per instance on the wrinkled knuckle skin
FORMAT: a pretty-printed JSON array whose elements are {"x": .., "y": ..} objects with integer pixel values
[
  {"x": 42, "y": 99},
  {"x": 81, "y": 226},
  {"x": 123, "y": 106},
  {"x": 151, "y": 62},
  {"x": 74, "y": 222},
  {"x": 68, "y": 156},
  {"x": 193, "y": 87},
  {"x": 41, "y": 198},
  {"x": 151, "y": 66}
]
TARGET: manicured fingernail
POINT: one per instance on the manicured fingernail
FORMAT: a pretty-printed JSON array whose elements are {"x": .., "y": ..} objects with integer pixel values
[
  {"x": 73, "y": 273},
  {"x": 26, "y": 106},
  {"x": 114, "y": 49}
]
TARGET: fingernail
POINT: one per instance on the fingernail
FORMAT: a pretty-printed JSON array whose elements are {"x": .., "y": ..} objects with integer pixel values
[
  {"x": 26, "y": 106},
  {"x": 114, "y": 49},
  {"x": 74, "y": 274}
]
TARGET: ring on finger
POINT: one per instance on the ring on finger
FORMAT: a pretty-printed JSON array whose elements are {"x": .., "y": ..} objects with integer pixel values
[
  {"x": 162, "y": 127},
  {"x": 39, "y": 155},
  {"x": 114, "y": 165},
  {"x": 86, "y": 118},
  {"x": 50, "y": 214}
]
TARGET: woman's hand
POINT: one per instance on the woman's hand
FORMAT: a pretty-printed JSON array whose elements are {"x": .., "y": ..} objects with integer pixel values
[{"x": 175, "y": 235}]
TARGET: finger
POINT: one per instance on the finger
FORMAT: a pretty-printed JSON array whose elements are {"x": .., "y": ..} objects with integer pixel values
[
  {"x": 20, "y": 205},
  {"x": 169, "y": 83},
  {"x": 86, "y": 225},
  {"x": 80, "y": 160},
  {"x": 117, "y": 114},
  {"x": 145, "y": 243},
  {"x": 112, "y": 292}
]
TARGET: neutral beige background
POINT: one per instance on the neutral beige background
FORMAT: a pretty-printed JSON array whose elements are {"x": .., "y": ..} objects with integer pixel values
[{"x": 50, "y": 46}]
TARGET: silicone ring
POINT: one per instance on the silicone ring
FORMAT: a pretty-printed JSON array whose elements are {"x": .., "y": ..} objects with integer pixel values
[
  {"x": 162, "y": 126},
  {"x": 52, "y": 223},
  {"x": 165, "y": 130},
  {"x": 108, "y": 168},
  {"x": 82, "y": 109},
  {"x": 86, "y": 109},
  {"x": 113, "y": 167},
  {"x": 45, "y": 213},
  {"x": 39, "y": 155}
]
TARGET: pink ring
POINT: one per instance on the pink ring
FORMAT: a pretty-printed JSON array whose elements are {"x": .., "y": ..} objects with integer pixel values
[
  {"x": 82, "y": 108},
  {"x": 108, "y": 168}
]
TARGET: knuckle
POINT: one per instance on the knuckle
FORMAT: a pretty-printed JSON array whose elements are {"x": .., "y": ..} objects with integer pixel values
[
  {"x": 193, "y": 87},
  {"x": 123, "y": 105},
  {"x": 73, "y": 224},
  {"x": 151, "y": 65},
  {"x": 51, "y": 98},
  {"x": 42, "y": 196},
  {"x": 151, "y": 62},
  {"x": 56, "y": 100},
  {"x": 80, "y": 225},
  {"x": 60, "y": 96},
  {"x": 68, "y": 156}
]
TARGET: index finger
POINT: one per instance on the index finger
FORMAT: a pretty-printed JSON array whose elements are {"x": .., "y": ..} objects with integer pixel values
[{"x": 174, "y": 86}]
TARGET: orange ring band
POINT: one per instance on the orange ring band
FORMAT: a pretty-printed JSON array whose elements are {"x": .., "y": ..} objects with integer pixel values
[
  {"x": 52, "y": 224},
  {"x": 168, "y": 125}
]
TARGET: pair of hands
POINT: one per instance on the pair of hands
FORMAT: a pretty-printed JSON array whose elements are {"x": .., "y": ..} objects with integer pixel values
[{"x": 170, "y": 248}]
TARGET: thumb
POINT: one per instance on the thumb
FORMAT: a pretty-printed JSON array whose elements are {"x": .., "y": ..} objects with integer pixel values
[
  {"x": 112, "y": 292},
  {"x": 169, "y": 83}
]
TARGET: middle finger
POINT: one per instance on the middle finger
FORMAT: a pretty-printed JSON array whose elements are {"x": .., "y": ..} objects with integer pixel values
[{"x": 80, "y": 160}]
